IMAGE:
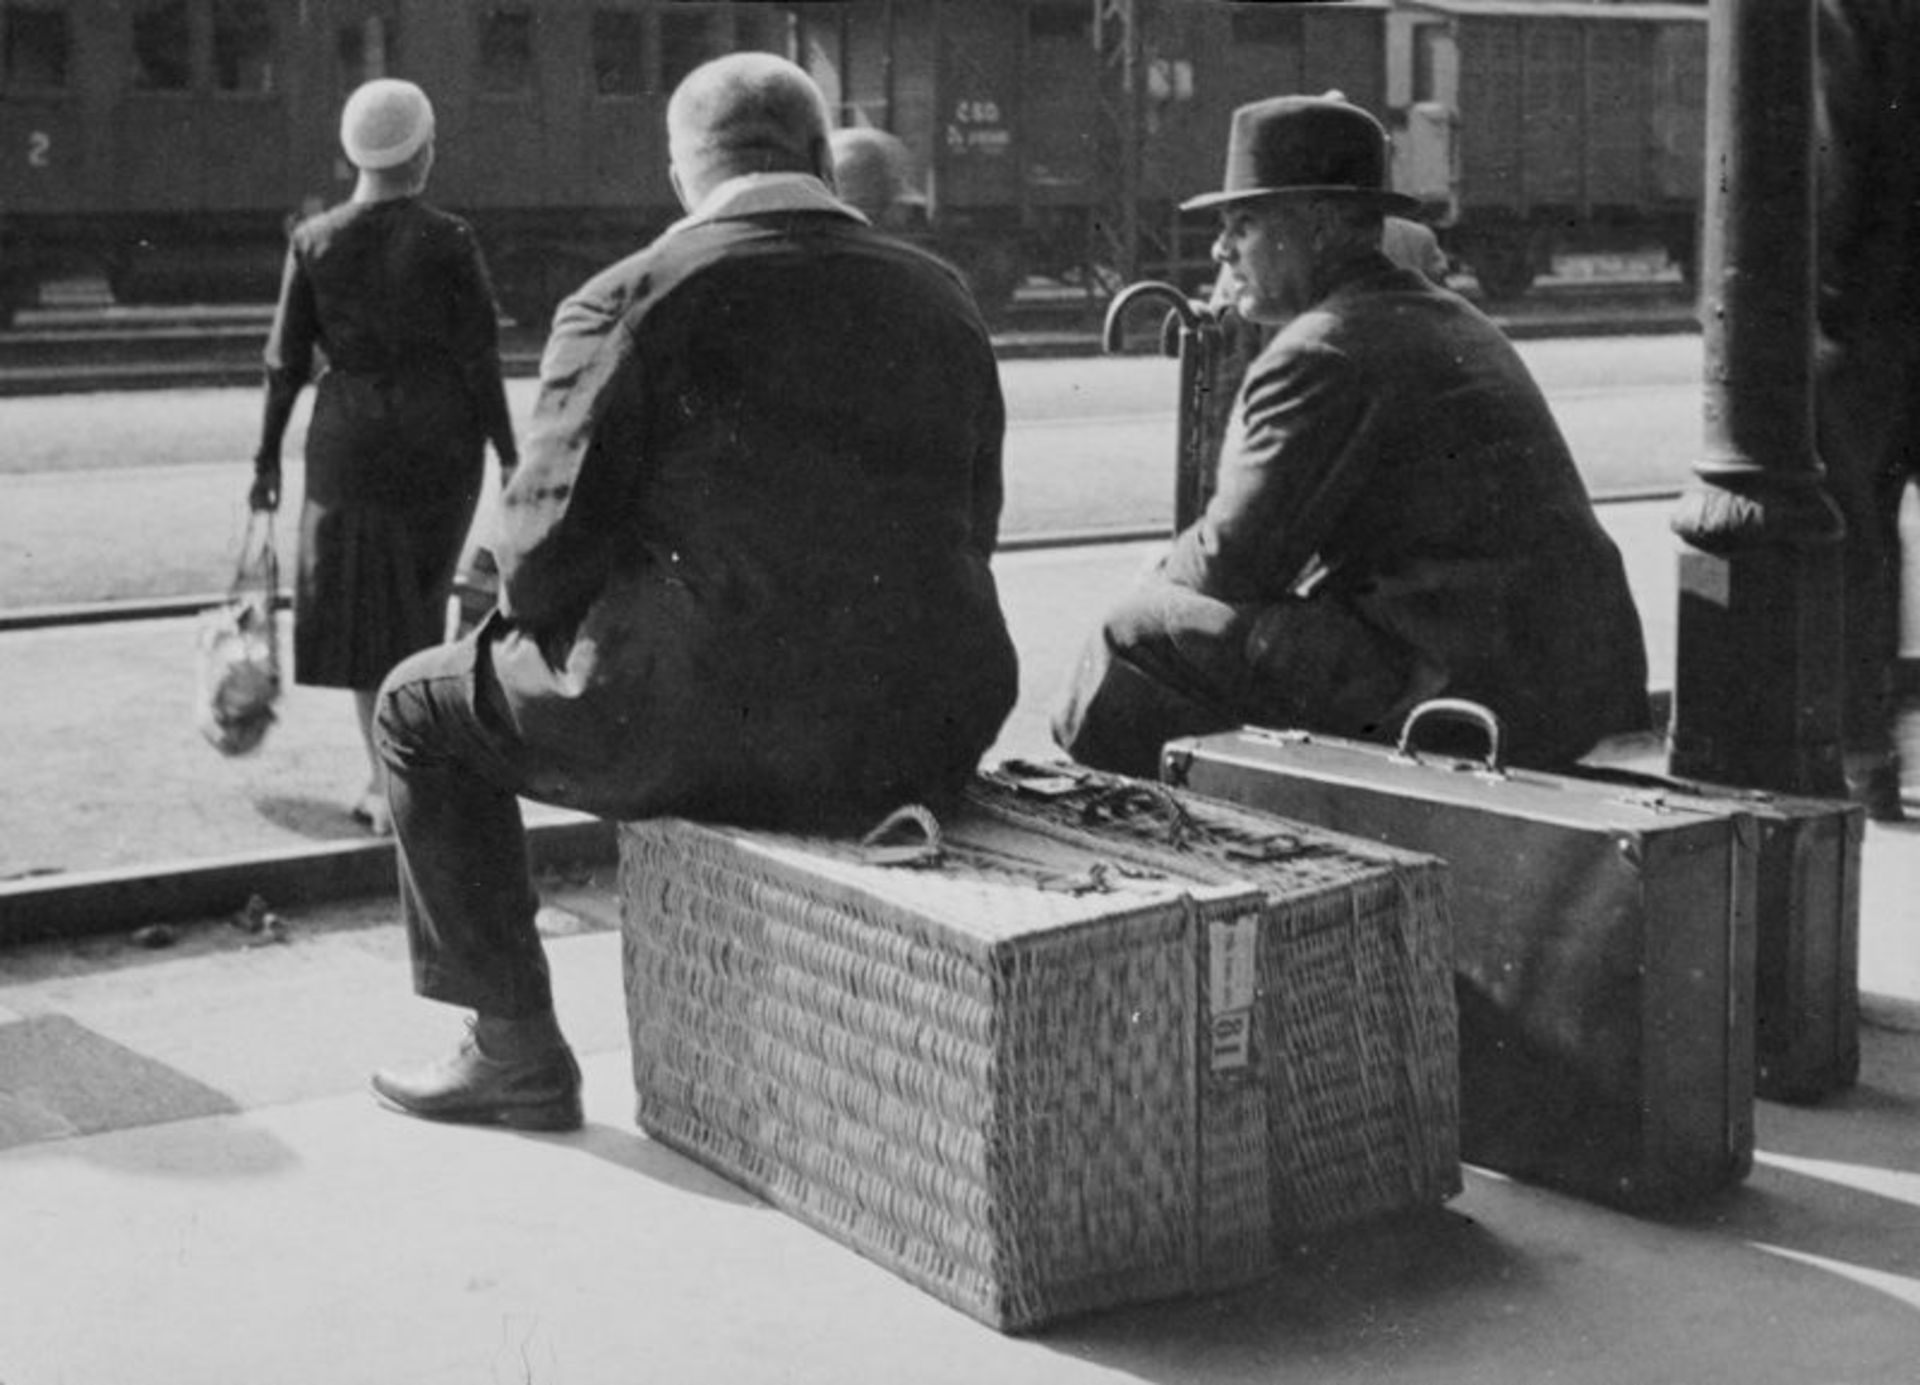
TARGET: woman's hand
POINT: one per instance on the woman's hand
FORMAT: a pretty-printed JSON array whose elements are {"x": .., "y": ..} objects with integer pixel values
[{"x": 265, "y": 493}]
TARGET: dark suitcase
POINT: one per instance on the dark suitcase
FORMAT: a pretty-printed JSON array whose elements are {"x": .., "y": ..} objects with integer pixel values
[
  {"x": 1807, "y": 945},
  {"x": 1603, "y": 949}
]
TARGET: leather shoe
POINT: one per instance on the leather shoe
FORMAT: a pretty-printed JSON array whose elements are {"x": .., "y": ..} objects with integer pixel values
[{"x": 533, "y": 1091}]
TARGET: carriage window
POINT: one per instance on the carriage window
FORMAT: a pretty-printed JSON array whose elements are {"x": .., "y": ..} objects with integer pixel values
[
  {"x": 1270, "y": 24},
  {"x": 506, "y": 52},
  {"x": 162, "y": 46},
  {"x": 686, "y": 41},
  {"x": 364, "y": 51},
  {"x": 242, "y": 46},
  {"x": 36, "y": 43},
  {"x": 1061, "y": 19},
  {"x": 619, "y": 46}
]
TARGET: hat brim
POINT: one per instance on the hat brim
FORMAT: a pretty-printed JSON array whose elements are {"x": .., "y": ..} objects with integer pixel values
[{"x": 1387, "y": 201}]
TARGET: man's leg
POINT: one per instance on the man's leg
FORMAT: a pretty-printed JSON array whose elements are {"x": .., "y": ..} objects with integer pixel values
[
  {"x": 1857, "y": 430},
  {"x": 467, "y": 898},
  {"x": 1165, "y": 663}
]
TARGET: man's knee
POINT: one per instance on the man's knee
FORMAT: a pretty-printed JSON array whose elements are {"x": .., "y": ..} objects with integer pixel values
[
  {"x": 1161, "y": 666},
  {"x": 412, "y": 701}
]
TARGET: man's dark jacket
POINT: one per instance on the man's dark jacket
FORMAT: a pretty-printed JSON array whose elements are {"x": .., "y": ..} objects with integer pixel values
[
  {"x": 1397, "y": 517},
  {"x": 744, "y": 561}
]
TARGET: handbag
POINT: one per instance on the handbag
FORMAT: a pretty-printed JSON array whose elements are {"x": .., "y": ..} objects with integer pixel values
[{"x": 239, "y": 648}]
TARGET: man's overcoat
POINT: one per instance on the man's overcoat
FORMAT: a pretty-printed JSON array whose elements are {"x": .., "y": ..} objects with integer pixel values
[
  {"x": 744, "y": 561},
  {"x": 1397, "y": 517}
]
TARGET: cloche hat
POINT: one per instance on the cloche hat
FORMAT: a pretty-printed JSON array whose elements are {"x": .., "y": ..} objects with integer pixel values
[
  {"x": 384, "y": 123},
  {"x": 1304, "y": 146}
]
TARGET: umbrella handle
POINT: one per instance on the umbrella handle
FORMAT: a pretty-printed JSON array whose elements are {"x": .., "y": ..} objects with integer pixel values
[{"x": 1185, "y": 311}]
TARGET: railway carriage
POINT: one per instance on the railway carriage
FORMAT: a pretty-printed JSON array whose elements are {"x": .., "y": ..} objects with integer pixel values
[{"x": 168, "y": 144}]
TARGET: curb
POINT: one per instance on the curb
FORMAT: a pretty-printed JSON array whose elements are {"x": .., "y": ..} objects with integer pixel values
[
  {"x": 1010, "y": 345},
  {"x": 78, "y": 904}
]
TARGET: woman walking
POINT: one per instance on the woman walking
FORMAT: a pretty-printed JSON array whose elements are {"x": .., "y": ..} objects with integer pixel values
[{"x": 385, "y": 300}]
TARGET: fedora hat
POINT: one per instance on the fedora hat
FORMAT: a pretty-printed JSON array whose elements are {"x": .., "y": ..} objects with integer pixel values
[{"x": 1304, "y": 146}]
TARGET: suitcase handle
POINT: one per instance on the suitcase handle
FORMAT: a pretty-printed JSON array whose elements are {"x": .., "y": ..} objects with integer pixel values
[{"x": 1458, "y": 709}]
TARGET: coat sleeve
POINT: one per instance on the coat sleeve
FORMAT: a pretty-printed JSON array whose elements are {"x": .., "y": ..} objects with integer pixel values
[
  {"x": 560, "y": 512},
  {"x": 476, "y": 345},
  {"x": 1292, "y": 462},
  {"x": 1865, "y": 180},
  {"x": 989, "y": 483},
  {"x": 288, "y": 356}
]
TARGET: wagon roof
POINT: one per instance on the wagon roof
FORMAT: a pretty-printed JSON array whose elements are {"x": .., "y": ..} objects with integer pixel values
[{"x": 1626, "y": 11}]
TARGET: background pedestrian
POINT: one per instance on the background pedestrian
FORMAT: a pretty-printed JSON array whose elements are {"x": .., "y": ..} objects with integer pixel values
[{"x": 387, "y": 301}]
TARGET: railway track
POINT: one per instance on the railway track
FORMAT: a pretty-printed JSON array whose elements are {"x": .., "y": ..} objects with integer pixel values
[{"x": 89, "y": 346}]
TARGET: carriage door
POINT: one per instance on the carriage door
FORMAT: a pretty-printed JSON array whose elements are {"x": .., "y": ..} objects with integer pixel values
[
  {"x": 44, "y": 165},
  {"x": 43, "y": 154},
  {"x": 364, "y": 44}
]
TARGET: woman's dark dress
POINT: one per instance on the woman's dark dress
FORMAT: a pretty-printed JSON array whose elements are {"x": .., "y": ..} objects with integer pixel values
[{"x": 388, "y": 305}]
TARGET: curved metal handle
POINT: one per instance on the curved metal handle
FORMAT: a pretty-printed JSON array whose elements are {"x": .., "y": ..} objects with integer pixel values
[
  {"x": 1113, "y": 336},
  {"x": 908, "y": 836},
  {"x": 1459, "y": 709}
]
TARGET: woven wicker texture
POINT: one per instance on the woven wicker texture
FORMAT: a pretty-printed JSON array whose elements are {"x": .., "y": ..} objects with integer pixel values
[
  {"x": 992, "y": 1075},
  {"x": 1354, "y": 1025}
]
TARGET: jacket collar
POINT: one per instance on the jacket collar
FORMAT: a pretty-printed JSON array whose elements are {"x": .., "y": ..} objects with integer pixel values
[{"x": 763, "y": 194}]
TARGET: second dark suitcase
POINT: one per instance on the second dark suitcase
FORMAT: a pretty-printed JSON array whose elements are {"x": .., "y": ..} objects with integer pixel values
[
  {"x": 1807, "y": 946},
  {"x": 1603, "y": 950}
]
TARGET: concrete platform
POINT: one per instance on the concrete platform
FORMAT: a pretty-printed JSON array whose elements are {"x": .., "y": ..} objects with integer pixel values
[{"x": 195, "y": 1187}]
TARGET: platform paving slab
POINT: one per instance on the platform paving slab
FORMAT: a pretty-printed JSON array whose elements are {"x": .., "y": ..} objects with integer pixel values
[{"x": 298, "y": 1232}]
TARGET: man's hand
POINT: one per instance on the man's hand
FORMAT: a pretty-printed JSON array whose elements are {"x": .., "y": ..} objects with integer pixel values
[{"x": 265, "y": 493}]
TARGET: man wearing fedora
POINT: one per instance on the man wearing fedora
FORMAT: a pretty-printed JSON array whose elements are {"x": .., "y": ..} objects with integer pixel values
[{"x": 1397, "y": 516}]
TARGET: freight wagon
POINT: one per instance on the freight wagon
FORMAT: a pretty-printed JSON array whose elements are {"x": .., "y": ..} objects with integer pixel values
[
  {"x": 1534, "y": 127},
  {"x": 1039, "y": 125}
]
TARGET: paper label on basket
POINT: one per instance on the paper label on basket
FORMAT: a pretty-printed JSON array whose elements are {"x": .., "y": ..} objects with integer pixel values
[
  {"x": 1232, "y": 1040},
  {"x": 1232, "y": 948}
]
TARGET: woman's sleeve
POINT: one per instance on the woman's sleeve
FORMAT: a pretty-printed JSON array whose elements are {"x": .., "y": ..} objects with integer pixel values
[
  {"x": 476, "y": 329},
  {"x": 288, "y": 356}
]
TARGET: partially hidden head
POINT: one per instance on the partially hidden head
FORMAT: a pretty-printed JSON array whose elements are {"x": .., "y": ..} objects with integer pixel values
[
  {"x": 874, "y": 173},
  {"x": 745, "y": 113},
  {"x": 386, "y": 129}
]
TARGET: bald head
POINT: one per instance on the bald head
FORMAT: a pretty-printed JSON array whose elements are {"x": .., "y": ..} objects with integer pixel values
[{"x": 745, "y": 113}]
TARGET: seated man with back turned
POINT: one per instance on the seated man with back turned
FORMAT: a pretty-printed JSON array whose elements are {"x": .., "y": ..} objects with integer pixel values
[
  {"x": 744, "y": 570},
  {"x": 1397, "y": 517}
]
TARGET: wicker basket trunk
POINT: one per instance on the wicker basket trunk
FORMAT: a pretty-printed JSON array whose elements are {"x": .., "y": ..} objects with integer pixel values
[{"x": 1060, "y": 1069}]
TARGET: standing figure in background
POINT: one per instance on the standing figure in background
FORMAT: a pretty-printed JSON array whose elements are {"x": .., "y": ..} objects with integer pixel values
[
  {"x": 873, "y": 173},
  {"x": 394, "y": 295},
  {"x": 1413, "y": 245},
  {"x": 1867, "y": 353}
]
